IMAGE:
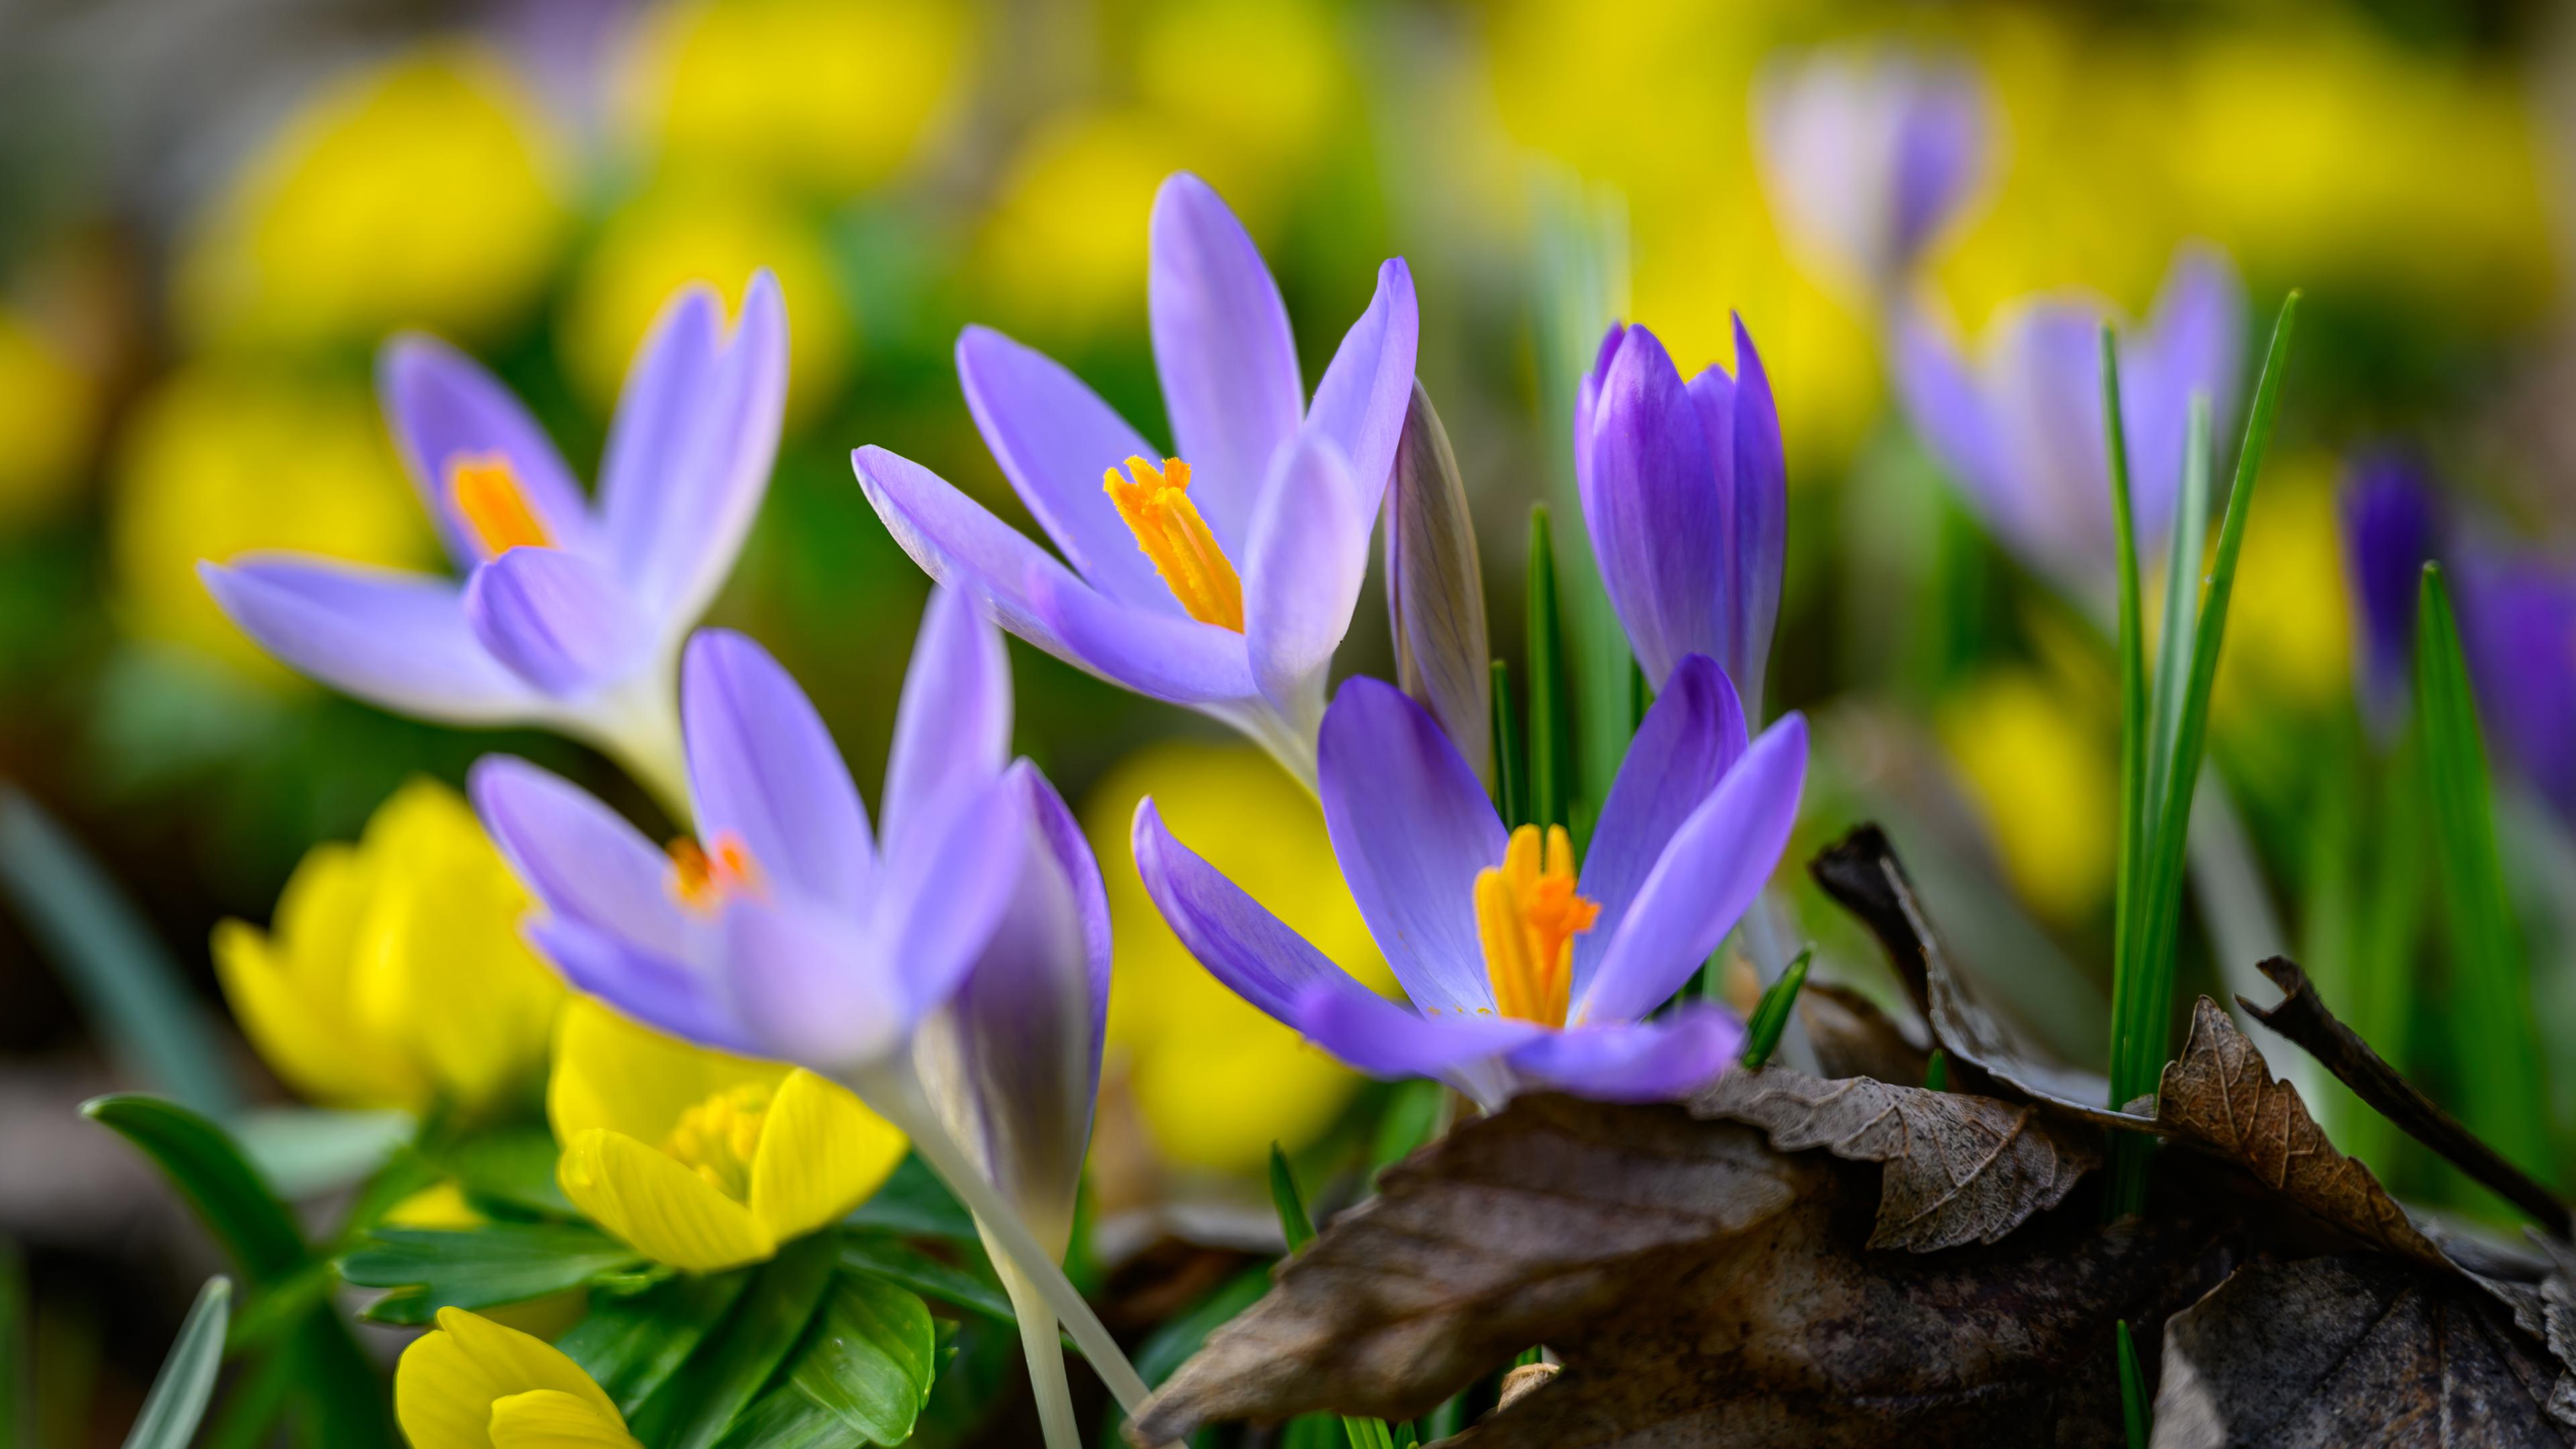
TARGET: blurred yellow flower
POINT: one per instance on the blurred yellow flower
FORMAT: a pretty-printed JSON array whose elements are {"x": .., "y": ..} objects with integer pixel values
[
  {"x": 716, "y": 233},
  {"x": 394, "y": 974},
  {"x": 2289, "y": 623},
  {"x": 830, "y": 95},
  {"x": 1256, "y": 87},
  {"x": 1215, "y": 1080},
  {"x": 1062, "y": 253},
  {"x": 216, "y": 461},
  {"x": 701, "y": 1160},
  {"x": 2046, "y": 782},
  {"x": 48, "y": 418},
  {"x": 417, "y": 193},
  {"x": 471, "y": 1383}
]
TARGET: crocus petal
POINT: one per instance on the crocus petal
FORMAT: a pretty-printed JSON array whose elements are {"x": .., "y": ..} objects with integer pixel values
[
  {"x": 1411, "y": 829},
  {"x": 400, "y": 641},
  {"x": 1255, "y": 954},
  {"x": 1757, "y": 513},
  {"x": 581, "y": 859},
  {"x": 2046, "y": 386},
  {"x": 1361, "y": 400},
  {"x": 1652, "y": 506},
  {"x": 1056, "y": 440},
  {"x": 1162, "y": 656},
  {"x": 450, "y": 1378},
  {"x": 952, "y": 730},
  {"x": 1308, "y": 558},
  {"x": 959, "y": 543},
  {"x": 1223, "y": 349},
  {"x": 1378, "y": 1037},
  {"x": 2390, "y": 530},
  {"x": 939, "y": 904},
  {"x": 1716, "y": 864},
  {"x": 764, "y": 769},
  {"x": 648, "y": 1200},
  {"x": 1689, "y": 739},
  {"x": 2194, "y": 342},
  {"x": 671, "y": 995},
  {"x": 1650, "y": 1061},
  {"x": 443, "y": 407},
  {"x": 558, "y": 620},
  {"x": 1950, "y": 411},
  {"x": 811, "y": 985},
  {"x": 689, "y": 457},
  {"x": 821, "y": 1153},
  {"x": 2516, "y": 614}
]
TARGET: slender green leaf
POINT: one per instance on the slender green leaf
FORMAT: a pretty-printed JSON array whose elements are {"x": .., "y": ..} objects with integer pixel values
[
  {"x": 2182, "y": 596},
  {"x": 1511, "y": 767},
  {"x": 2133, "y": 1389},
  {"x": 1412, "y": 1118},
  {"x": 1298, "y": 1228},
  {"x": 2496, "y": 1041},
  {"x": 2129, "y": 897},
  {"x": 865, "y": 1368},
  {"x": 696, "y": 1407},
  {"x": 187, "y": 1378},
  {"x": 124, "y": 979},
  {"x": 1551, "y": 709},
  {"x": 1771, "y": 1014},
  {"x": 898, "y": 1261},
  {"x": 1936, "y": 1071},
  {"x": 914, "y": 1203},
  {"x": 479, "y": 1267},
  {"x": 631, "y": 1346}
]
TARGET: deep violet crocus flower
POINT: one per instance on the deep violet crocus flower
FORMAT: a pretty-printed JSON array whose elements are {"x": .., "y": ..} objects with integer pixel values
[
  {"x": 1225, "y": 577},
  {"x": 571, "y": 613},
  {"x": 2391, "y": 529},
  {"x": 952, "y": 966},
  {"x": 1867, "y": 155},
  {"x": 2019, "y": 430},
  {"x": 2518, "y": 630},
  {"x": 1521, "y": 972},
  {"x": 1685, "y": 495}
]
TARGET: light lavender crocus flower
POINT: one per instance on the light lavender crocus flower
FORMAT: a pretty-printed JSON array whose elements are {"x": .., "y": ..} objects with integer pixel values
[
  {"x": 1868, "y": 156},
  {"x": 2019, "y": 430},
  {"x": 1519, "y": 978},
  {"x": 952, "y": 965},
  {"x": 570, "y": 614},
  {"x": 1685, "y": 495},
  {"x": 1222, "y": 579}
]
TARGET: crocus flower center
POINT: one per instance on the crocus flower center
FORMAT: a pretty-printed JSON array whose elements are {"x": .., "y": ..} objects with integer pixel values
[
  {"x": 487, "y": 495},
  {"x": 703, "y": 880},
  {"x": 717, "y": 1137},
  {"x": 1155, "y": 502},
  {"x": 1528, "y": 916}
]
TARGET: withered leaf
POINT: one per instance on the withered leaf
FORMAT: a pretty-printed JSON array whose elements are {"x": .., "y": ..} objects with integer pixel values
[
  {"x": 1853, "y": 1038},
  {"x": 1960, "y": 1168},
  {"x": 1700, "y": 1287},
  {"x": 2352, "y": 1350}
]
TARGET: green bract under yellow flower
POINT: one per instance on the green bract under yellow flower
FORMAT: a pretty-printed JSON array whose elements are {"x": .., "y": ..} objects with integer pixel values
[
  {"x": 474, "y": 1384},
  {"x": 394, "y": 975},
  {"x": 701, "y": 1160}
]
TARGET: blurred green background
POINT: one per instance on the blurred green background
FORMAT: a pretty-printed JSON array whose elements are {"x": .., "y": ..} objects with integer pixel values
[{"x": 213, "y": 211}]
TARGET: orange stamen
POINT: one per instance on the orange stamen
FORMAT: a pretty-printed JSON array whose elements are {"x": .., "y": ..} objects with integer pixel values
[
  {"x": 1527, "y": 916},
  {"x": 703, "y": 882},
  {"x": 487, "y": 495},
  {"x": 1155, "y": 504}
]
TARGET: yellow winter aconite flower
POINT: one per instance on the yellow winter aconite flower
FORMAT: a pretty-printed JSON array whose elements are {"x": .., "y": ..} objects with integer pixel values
[
  {"x": 2047, "y": 784},
  {"x": 1052, "y": 266},
  {"x": 1215, "y": 1080},
  {"x": 394, "y": 974},
  {"x": 701, "y": 1160},
  {"x": 418, "y": 193},
  {"x": 48, "y": 414},
  {"x": 471, "y": 1383}
]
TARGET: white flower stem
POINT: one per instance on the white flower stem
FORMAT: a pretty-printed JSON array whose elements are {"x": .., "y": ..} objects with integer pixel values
[
  {"x": 897, "y": 1095},
  {"x": 1045, "y": 1354}
]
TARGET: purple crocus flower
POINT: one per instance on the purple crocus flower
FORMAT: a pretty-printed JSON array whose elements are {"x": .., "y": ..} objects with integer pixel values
[
  {"x": 1223, "y": 579},
  {"x": 2390, "y": 530},
  {"x": 952, "y": 965},
  {"x": 1868, "y": 155},
  {"x": 1685, "y": 494},
  {"x": 1518, "y": 977},
  {"x": 569, "y": 615},
  {"x": 2518, "y": 629},
  {"x": 2020, "y": 431}
]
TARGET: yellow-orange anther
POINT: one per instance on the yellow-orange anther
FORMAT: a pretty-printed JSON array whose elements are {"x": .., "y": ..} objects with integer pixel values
[
  {"x": 488, "y": 497},
  {"x": 702, "y": 881},
  {"x": 1528, "y": 916},
  {"x": 1155, "y": 502},
  {"x": 718, "y": 1137}
]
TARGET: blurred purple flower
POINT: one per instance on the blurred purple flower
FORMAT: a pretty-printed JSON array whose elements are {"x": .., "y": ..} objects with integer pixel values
[
  {"x": 1266, "y": 483},
  {"x": 2020, "y": 431},
  {"x": 569, "y": 616},
  {"x": 1868, "y": 155},
  {"x": 1685, "y": 494},
  {"x": 2518, "y": 629},
  {"x": 2390, "y": 530},
  {"x": 1516, "y": 982}
]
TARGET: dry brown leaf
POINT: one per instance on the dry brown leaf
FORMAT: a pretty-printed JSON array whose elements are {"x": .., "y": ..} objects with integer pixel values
[
  {"x": 2355, "y": 1350},
  {"x": 1960, "y": 1168},
  {"x": 1700, "y": 1287},
  {"x": 1854, "y": 1038}
]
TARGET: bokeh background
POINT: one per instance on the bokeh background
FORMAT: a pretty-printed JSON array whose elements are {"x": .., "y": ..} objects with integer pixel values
[{"x": 212, "y": 212}]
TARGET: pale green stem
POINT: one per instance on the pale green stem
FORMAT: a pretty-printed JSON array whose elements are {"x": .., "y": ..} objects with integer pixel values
[
  {"x": 1045, "y": 1354},
  {"x": 642, "y": 733}
]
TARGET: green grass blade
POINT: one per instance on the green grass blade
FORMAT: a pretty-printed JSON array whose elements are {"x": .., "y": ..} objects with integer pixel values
[
  {"x": 1294, "y": 1225},
  {"x": 187, "y": 1378},
  {"x": 1936, "y": 1071},
  {"x": 1771, "y": 1014},
  {"x": 2133, "y": 1389},
  {"x": 2496, "y": 1036},
  {"x": 2129, "y": 896},
  {"x": 1551, "y": 713},
  {"x": 1511, "y": 775},
  {"x": 2182, "y": 595}
]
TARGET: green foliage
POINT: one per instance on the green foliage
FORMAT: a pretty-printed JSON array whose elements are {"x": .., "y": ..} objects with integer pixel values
[
  {"x": 512, "y": 1164},
  {"x": 1936, "y": 1072},
  {"x": 866, "y": 1368},
  {"x": 2133, "y": 1390},
  {"x": 1771, "y": 1014},
  {"x": 1511, "y": 783},
  {"x": 1299, "y": 1230},
  {"x": 481, "y": 1267},
  {"x": 632, "y": 1346},
  {"x": 187, "y": 1379},
  {"x": 697, "y": 1405},
  {"x": 972, "y": 1288},
  {"x": 914, "y": 1203},
  {"x": 1551, "y": 710}
]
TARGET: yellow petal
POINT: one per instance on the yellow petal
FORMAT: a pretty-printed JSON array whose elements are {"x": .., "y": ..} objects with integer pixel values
[
  {"x": 551, "y": 1419},
  {"x": 301, "y": 1032},
  {"x": 613, "y": 1074},
  {"x": 449, "y": 1380},
  {"x": 658, "y": 1207},
  {"x": 442, "y": 1206},
  {"x": 317, "y": 918},
  {"x": 821, "y": 1152}
]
